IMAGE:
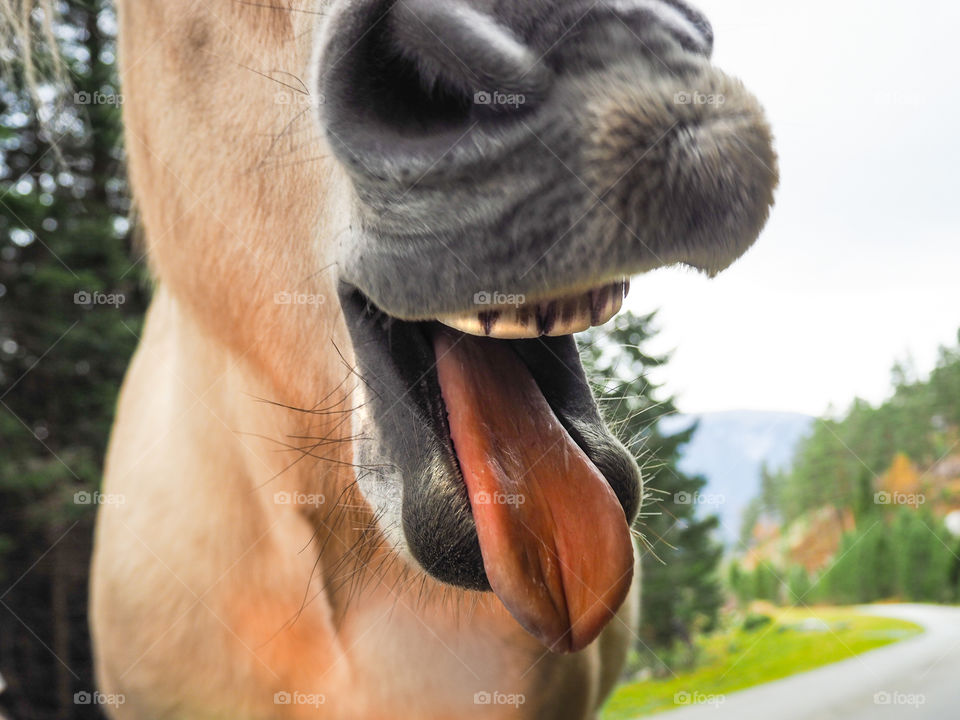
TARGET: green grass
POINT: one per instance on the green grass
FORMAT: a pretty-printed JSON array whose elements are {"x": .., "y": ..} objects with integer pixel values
[{"x": 737, "y": 659}]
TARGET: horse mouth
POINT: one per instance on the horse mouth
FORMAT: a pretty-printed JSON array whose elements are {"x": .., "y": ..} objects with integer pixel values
[{"x": 509, "y": 479}]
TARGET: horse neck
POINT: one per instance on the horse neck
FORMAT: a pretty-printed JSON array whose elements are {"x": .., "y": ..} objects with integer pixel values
[{"x": 282, "y": 460}]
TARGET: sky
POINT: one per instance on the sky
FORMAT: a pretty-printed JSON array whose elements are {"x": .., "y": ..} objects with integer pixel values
[{"x": 859, "y": 265}]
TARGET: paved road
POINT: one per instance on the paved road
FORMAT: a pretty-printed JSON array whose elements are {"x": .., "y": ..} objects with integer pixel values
[{"x": 916, "y": 679}]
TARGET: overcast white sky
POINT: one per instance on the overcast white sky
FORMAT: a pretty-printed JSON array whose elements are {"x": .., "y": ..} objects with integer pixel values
[{"x": 859, "y": 264}]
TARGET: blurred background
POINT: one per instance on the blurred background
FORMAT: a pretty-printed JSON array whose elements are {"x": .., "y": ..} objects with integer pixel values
[{"x": 798, "y": 417}]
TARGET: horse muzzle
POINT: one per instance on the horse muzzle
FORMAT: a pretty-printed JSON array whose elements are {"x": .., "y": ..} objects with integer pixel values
[{"x": 536, "y": 149}]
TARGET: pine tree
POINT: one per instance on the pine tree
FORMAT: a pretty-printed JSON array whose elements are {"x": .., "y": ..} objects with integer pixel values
[{"x": 71, "y": 301}]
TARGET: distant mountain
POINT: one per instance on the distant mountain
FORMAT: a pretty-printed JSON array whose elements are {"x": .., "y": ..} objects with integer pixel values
[{"x": 729, "y": 448}]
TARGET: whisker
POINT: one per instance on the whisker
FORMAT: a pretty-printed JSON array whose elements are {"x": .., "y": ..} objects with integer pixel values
[
  {"x": 279, "y": 82},
  {"x": 282, "y": 8}
]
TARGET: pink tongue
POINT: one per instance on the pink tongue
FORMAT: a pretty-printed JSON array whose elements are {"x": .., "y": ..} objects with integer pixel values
[{"x": 555, "y": 542}]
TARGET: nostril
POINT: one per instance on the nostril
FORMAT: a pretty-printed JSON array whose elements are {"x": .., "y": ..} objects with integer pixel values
[
  {"x": 590, "y": 22},
  {"x": 454, "y": 43},
  {"x": 422, "y": 68},
  {"x": 692, "y": 26},
  {"x": 373, "y": 80}
]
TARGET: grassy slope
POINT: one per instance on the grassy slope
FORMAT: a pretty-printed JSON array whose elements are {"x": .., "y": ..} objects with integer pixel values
[{"x": 736, "y": 659}]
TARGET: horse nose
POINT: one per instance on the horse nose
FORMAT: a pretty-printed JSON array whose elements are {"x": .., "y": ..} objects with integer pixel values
[{"x": 412, "y": 70}]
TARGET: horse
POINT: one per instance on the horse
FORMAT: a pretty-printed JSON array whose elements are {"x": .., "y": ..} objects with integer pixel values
[{"x": 363, "y": 472}]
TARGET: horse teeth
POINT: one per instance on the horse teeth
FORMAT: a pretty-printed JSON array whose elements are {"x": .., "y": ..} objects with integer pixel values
[{"x": 558, "y": 316}]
